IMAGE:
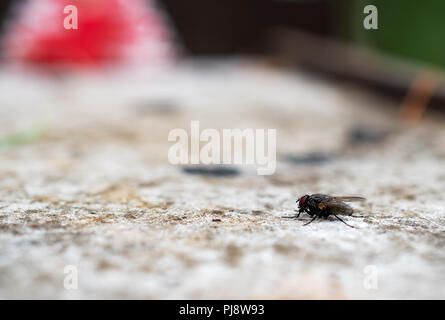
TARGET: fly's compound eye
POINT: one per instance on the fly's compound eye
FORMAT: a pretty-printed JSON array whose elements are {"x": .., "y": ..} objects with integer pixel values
[{"x": 302, "y": 201}]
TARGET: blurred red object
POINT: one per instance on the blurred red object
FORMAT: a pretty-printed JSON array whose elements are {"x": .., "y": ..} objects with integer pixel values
[{"x": 109, "y": 32}]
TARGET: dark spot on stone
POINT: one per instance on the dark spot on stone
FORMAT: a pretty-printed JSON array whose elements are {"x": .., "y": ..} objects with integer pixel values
[
  {"x": 312, "y": 158},
  {"x": 363, "y": 135},
  {"x": 219, "y": 171}
]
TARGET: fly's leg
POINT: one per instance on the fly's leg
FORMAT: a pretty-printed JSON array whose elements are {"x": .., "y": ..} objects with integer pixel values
[
  {"x": 293, "y": 217},
  {"x": 299, "y": 212},
  {"x": 342, "y": 221},
  {"x": 310, "y": 221}
]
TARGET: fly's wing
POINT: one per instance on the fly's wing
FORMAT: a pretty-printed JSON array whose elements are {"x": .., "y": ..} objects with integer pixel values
[
  {"x": 337, "y": 207},
  {"x": 350, "y": 199}
]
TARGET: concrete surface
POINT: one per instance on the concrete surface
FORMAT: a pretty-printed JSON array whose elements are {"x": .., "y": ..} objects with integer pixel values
[{"x": 97, "y": 192}]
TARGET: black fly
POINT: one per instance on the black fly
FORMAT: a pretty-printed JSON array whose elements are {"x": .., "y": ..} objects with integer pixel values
[{"x": 323, "y": 205}]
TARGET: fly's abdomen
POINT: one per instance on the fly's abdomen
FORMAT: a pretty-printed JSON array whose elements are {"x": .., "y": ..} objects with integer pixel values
[{"x": 342, "y": 209}]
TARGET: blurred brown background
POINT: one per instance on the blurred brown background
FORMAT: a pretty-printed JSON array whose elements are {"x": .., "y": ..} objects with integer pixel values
[{"x": 235, "y": 26}]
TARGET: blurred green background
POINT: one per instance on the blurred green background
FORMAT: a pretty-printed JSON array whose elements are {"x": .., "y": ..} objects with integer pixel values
[{"x": 407, "y": 28}]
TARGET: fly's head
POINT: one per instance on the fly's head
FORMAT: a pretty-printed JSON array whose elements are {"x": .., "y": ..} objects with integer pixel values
[{"x": 302, "y": 202}]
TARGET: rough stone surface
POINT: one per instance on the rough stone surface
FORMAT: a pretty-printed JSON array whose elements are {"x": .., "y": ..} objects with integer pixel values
[{"x": 96, "y": 191}]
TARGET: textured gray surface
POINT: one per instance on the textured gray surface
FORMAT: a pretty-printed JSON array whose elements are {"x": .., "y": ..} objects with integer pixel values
[{"x": 97, "y": 191}]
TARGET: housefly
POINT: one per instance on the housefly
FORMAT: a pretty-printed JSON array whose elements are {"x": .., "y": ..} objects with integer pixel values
[{"x": 323, "y": 205}]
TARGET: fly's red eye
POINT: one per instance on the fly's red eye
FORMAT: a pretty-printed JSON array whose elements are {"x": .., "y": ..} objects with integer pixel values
[{"x": 302, "y": 201}]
